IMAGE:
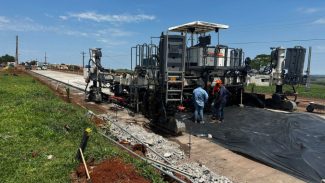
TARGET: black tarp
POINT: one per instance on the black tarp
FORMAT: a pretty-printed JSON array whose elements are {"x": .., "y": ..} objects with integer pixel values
[{"x": 291, "y": 142}]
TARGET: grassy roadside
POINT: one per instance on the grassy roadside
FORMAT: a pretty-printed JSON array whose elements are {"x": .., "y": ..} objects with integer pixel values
[
  {"x": 316, "y": 91},
  {"x": 32, "y": 121}
]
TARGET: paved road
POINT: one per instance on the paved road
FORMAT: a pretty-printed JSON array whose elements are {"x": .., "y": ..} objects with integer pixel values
[{"x": 73, "y": 79}]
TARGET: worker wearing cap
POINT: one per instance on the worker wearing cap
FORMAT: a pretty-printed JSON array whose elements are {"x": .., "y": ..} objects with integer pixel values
[
  {"x": 215, "y": 95},
  {"x": 200, "y": 97},
  {"x": 220, "y": 101}
]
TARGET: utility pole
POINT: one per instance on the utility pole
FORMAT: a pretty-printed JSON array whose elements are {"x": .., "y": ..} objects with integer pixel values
[
  {"x": 307, "y": 87},
  {"x": 83, "y": 59},
  {"x": 45, "y": 58},
  {"x": 16, "y": 50}
]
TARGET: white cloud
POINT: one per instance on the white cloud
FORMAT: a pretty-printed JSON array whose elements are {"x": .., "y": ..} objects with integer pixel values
[
  {"x": 308, "y": 10},
  {"x": 319, "y": 21},
  {"x": 27, "y": 24},
  {"x": 28, "y": 19},
  {"x": 73, "y": 33},
  {"x": 103, "y": 40},
  {"x": 48, "y": 15},
  {"x": 113, "y": 32},
  {"x": 111, "y": 37},
  {"x": 63, "y": 17},
  {"x": 20, "y": 24},
  {"x": 123, "y": 18},
  {"x": 111, "y": 42},
  {"x": 4, "y": 20}
]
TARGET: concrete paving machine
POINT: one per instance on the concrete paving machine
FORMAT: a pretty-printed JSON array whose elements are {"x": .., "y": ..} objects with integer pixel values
[
  {"x": 97, "y": 76},
  {"x": 157, "y": 83},
  {"x": 166, "y": 74},
  {"x": 286, "y": 68}
]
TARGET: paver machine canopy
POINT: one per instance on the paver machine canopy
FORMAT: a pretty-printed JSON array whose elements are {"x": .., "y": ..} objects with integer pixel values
[{"x": 206, "y": 63}]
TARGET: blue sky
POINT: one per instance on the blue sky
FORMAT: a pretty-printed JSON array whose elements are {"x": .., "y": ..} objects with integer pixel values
[{"x": 63, "y": 29}]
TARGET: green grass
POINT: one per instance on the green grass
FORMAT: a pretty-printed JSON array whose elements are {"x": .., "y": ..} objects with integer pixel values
[
  {"x": 318, "y": 80},
  {"x": 316, "y": 91},
  {"x": 32, "y": 121}
]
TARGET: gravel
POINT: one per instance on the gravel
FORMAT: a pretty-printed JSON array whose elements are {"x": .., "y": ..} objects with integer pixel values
[{"x": 171, "y": 151}]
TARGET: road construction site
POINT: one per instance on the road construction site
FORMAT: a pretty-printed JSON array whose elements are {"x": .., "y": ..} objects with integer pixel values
[
  {"x": 154, "y": 111},
  {"x": 251, "y": 145}
]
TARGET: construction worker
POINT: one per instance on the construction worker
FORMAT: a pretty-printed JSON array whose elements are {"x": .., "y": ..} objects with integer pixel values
[
  {"x": 221, "y": 93},
  {"x": 215, "y": 95},
  {"x": 200, "y": 97}
]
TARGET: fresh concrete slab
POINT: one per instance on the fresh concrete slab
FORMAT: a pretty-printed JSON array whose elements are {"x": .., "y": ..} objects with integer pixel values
[{"x": 72, "y": 79}]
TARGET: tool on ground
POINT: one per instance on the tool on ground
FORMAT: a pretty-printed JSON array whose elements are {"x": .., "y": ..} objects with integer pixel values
[
  {"x": 83, "y": 143},
  {"x": 84, "y": 163},
  {"x": 312, "y": 106}
]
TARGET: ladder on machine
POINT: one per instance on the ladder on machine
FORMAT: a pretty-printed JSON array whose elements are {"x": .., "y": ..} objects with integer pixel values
[
  {"x": 174, "y": 86},
  {"x": 174, "y": 79}
]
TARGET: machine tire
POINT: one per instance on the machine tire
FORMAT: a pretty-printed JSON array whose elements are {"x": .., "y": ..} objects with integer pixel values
[
  {"x": 289, "y": 105},
  {"x": 310, "y": 108}
]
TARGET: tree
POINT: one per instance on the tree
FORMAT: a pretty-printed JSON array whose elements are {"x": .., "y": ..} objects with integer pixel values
[
  {"x": 6, "y": 58},
  {"x": 73, "y": 67},
  {"x": 33, "y": 62},
  {"x": 260, "y": 61}
]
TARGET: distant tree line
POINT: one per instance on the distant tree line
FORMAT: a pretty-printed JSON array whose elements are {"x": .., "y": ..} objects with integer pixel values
[
  {"x": 74, "y": 67},
  {"x": 6, "y": 58},
  {"x": 260, "y": 61},
  {"x": 318, "y": 80},
  {"x": 122, "y": 71}
]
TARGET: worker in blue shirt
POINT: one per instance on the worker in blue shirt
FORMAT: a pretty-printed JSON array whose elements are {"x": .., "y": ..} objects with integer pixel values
[
  {"x": 221, "y": 99},
  {"x": 200, "y": 97}
]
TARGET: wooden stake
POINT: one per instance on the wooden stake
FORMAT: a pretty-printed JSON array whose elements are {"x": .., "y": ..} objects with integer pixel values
[{"x": 84, "y": 162}]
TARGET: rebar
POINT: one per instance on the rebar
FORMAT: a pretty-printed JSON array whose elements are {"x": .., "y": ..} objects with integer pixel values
[
  {"x": 144, "y": 159},
  {"x": 104, "y": 118}
]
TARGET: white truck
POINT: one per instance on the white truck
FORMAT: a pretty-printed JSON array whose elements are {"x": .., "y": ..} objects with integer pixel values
[{"x": 41, "y": 66}]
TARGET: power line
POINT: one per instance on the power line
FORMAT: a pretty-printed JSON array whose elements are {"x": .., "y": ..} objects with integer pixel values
[
  {"x": 279, "y": 41},
  {"x": 273, "y": 24},
  {"x": 278, "y": 25},
  {"x": 113, "y": 56},
  {"x": 276, "y": 22}
]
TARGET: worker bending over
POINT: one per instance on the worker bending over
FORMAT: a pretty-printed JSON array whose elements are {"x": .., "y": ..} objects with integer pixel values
[{"x": 200, "y": 97}]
